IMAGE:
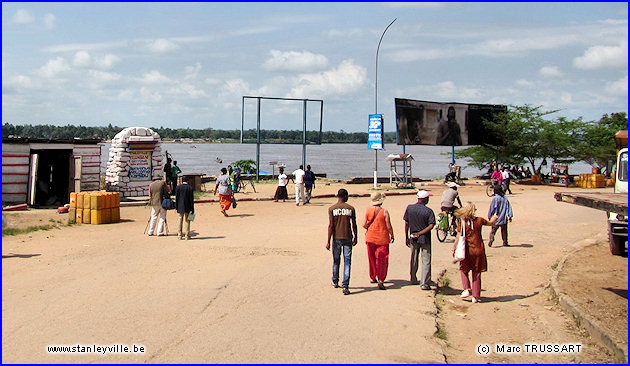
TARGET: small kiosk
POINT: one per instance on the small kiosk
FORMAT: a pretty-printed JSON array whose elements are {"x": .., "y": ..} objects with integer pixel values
[
  {"x": 135, "y": 158},
  {"x": 560, "y": 173},
  {"x": 400, "y": 170}
]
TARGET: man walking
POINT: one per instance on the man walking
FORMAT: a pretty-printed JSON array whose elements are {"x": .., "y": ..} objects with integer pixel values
[
  {"x": 185, "y": 206},
  {"x": 507, "y": 177},
  {"x": 419, "y": 221},
  {"x": 503, "y": 209},
  {"x": 298, "y": 178},
  {"x": 309, "y": 183},
  {"x": 342, "y": 229},
  {"x": 157, "y": 192}
]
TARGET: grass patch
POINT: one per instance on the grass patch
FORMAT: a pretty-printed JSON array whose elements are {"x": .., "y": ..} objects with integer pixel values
[
  {"x": 30, "y": 229},
  {"x": 440, "y": 333},
  {"x": 443, "y": 280},
  {"x": 555, "y": 266}
]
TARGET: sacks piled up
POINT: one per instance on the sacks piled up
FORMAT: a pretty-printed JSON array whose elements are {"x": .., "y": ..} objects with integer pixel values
[
  {"x": 94, "y": 208},
  {"x": 117, "y": 174}
]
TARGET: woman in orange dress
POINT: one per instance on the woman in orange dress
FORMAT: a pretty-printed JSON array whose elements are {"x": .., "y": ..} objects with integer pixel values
[
  {"x": 224, "y": 186},
  {"x": 377, "y": 238},
  {"x": 475, "y": 259}
]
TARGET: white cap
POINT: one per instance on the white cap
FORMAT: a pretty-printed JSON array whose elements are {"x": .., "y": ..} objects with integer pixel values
[
  {"x": 423, "y": 194},
  {"x": 452, "y": 184}
]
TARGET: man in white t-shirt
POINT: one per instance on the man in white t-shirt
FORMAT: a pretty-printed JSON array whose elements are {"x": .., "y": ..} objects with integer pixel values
[
  {"x": 298, "y": 177},
  {"x": 507, "y": 177}
]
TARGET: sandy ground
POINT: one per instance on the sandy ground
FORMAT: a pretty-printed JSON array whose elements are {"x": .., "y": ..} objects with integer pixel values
[{"x": 255, "y": 287}]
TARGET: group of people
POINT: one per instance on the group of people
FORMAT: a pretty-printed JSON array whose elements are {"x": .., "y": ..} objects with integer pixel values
[
  {"x": 159, "y": 198},
  {"x": 304, "y": 184},
  {"x": 419, "y": 222}
]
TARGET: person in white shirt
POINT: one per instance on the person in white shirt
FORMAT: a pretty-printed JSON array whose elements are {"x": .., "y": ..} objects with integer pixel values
[
  {"x": 507, "y": 177},
  {"x": 299, "y": 185},
  {"x": 281, "y": 191}
]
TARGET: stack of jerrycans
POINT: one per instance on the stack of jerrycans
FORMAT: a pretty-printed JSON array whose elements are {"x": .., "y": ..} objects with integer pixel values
[{"x": 94, "y": 207}]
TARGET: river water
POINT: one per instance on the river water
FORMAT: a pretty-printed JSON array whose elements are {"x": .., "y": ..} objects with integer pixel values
[{"x": 338, "y": 161}]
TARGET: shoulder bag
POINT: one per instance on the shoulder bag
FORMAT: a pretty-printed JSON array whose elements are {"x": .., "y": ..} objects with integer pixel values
[{"x": 460, "y": 250}]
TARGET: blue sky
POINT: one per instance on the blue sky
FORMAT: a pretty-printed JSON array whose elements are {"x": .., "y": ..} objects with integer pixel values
[{"x": 189, "y": 64}]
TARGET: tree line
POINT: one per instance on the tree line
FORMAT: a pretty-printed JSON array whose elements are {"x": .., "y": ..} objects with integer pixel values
[
  {"x": 207, "y": 134},
  {"x": 530, "y": 136}
]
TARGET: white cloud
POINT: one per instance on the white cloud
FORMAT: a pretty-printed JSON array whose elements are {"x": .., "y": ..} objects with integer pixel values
[
  {"x": 106, "y": 62},
  {"x": 54, "y": 67},
  {"x": 103, "y": 76},
  {"x": 49, "y": 21},
  {"x": 22, "y": 16},
  {"x": 192, "y": 71},
  {"x": 19, "y": 82},
  {"x": 212, "y": 81},
  {"x": 154, "y": 77},
  {"x": 72, "y": 47},
  {"x": 618, "y": 88},
  {"x": 550, "y": 71},
  {"x": 188, "y": 90},
  {"x": 525, "y": 83},
  {"x": 601, "y": 57},
  {"x": 448, "y": 89},
  {"x": 81, "y": 59},
  {"x": 149, "y": 95},
  {"x": 566, "y": 98},
  {"x": 162, "y": 46},
  {"x": 304, "y": 61},
  {"x": 345, "y": 79}
]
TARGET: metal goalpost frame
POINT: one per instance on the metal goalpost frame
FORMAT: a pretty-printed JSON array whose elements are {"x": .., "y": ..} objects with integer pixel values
[{"x": 304, "y": 106}]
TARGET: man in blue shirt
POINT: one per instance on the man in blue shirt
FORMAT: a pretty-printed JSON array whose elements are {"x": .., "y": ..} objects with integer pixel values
[{"x": 502, "y": 208}]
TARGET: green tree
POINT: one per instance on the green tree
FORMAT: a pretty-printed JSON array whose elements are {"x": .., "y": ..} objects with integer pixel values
[
  {"x": 597, "y": 146},
  {"x": 528, "y": 136},
  {"x": 246, "y": 166}
]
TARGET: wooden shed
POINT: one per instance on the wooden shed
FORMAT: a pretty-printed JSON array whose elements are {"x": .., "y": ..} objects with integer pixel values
[{"x": 43, "y": 172}]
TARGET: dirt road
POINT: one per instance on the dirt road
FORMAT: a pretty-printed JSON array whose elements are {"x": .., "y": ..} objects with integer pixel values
[{"x": 255, "y": 287}]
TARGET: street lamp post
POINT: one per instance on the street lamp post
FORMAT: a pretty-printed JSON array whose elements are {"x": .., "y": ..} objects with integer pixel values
[{"x": 376, "y": 101}]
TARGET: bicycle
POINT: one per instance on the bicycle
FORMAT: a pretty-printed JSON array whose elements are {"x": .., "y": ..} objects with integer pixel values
[
  {"x": 447, "y": 223},
  {"x": 490, "y": 187}
]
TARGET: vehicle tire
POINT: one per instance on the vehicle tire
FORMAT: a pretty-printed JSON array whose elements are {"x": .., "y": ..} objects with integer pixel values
[
  {"x": 442, "y": 234},
  {"x": 490, "y": 190},
  {"x": 616, "y": 243}
]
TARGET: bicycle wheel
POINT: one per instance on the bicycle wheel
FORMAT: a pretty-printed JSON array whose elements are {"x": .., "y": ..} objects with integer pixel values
[
  {"x": 442, "y": 230},
  {"x": 442, "y": 234},
  {"x": 490, "y": 190}
]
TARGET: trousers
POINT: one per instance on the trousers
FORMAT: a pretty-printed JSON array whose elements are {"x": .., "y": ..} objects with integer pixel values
[
  {"x": 424, "y": 252},
  {"x": 183, "y": 217},
  {"x": 378, "y": 258},
  {"x": 476, "y": 282},
  {"x": 158, "y": 215},
  {"x": 299, "y": 193},
  {"x": 504, "y": 233}
]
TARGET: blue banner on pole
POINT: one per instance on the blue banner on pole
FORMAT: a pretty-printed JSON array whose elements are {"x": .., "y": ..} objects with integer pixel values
[{"x": 375, "y": 132}]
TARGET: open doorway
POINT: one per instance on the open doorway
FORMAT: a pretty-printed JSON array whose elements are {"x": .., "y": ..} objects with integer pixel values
[{"x": 50, "y": 177}]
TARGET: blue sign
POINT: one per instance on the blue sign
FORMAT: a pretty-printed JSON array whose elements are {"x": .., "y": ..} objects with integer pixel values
[{"x": 375, "y": 132}]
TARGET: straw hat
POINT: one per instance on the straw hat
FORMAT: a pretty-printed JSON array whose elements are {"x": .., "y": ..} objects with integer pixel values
[{"x": 377, "y": 198}]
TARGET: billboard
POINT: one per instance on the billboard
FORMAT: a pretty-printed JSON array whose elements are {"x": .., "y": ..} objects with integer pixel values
[
  {"x": 448, "y": 124},
  {"x": 375, "y": 132}
]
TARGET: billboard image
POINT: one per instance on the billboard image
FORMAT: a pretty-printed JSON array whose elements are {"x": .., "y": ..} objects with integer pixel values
[{"x": 447, "y": 124}]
